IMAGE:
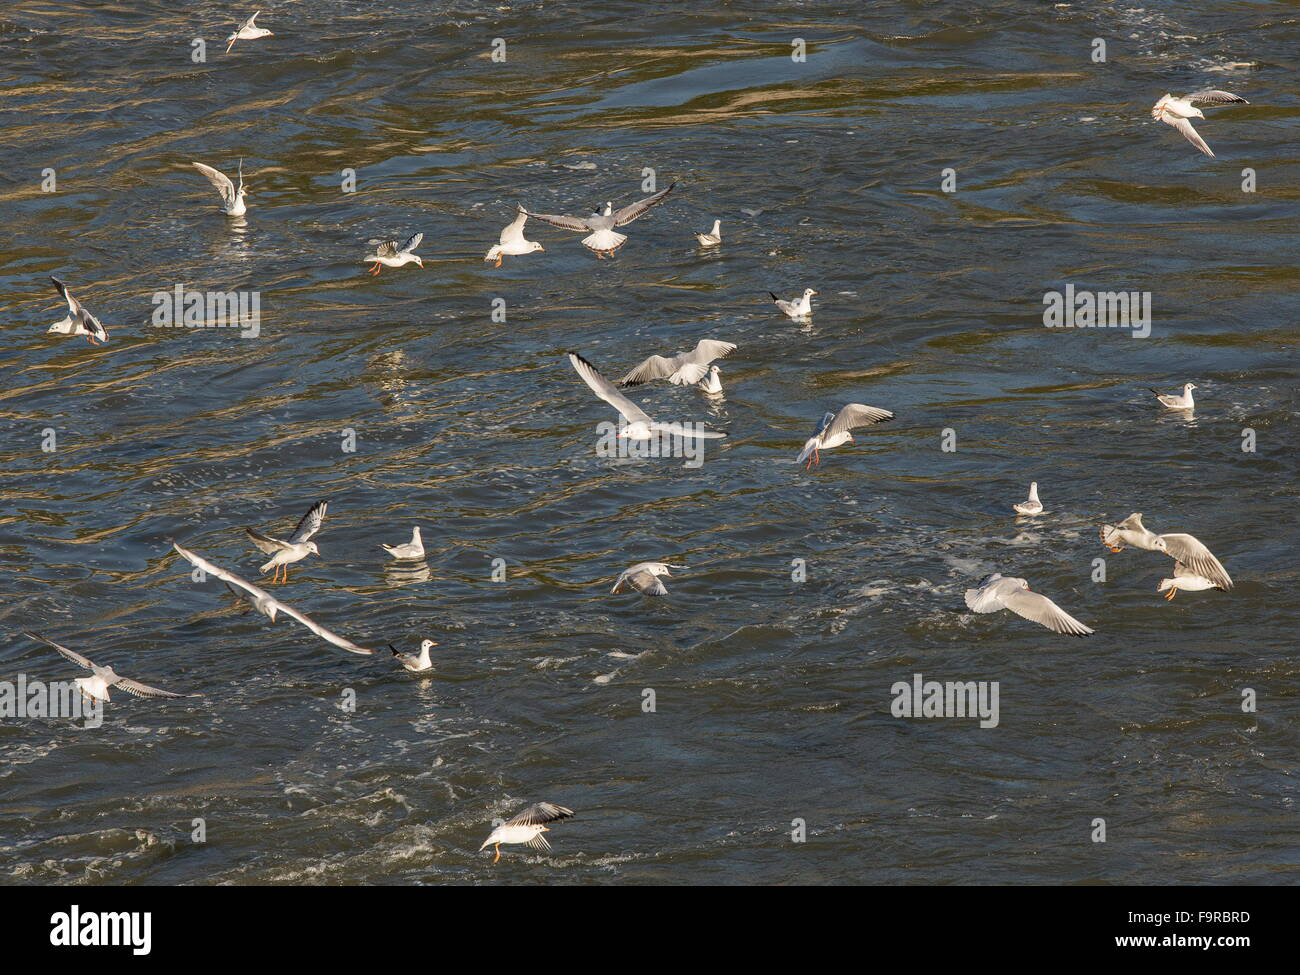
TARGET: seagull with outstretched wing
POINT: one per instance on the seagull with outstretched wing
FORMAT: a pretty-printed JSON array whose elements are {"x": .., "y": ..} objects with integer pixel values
[
  {"x": 834, "y": 430},
  {"x": 232, "y": 198},
  {"x": 1179, "y": 112},
  {"x": 297, "y": 547},
  {"x": 1007, "y": 592},
  {"x": 78, "y": 320},
  {"x": 599, "y": 227},
  {"x": 96, "y": 687},
  {"x": 637, "y": 425}
]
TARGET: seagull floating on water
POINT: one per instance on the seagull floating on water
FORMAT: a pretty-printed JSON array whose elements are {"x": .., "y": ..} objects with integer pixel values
[
  {"x": 682, "y": 369},
  {"x": 1175, "y": 401},
  {"x": 1184, "y": 578},
  {"x": 388, "y": 254},
  {"x": 96, "y": 688},
  {"x": 512, "y": 241},
  {"x": 599, "y": 227},
  {"x": 713, "y": 238},
  {"x": 283, "y": 554},
  {"x": 796, "y": 309},
  {"x": 78, "y": 321},
  {"x": 1032, "y": 506},
  {"x": 414, "y": 549},
  {"x": 1182, "y": 548},
  {"x": 833, "y": 430},
  {"x": 639, "y": 426},
  {"x": 1007, "y": 592},
  {"x": 265, "y": 603},
  {"x": 416, "y": 663},
  {"x": 1179, "y": 112},
  {"x": 232, "y": 199},
  {"x": 644, "y": 578},
  {"x": 712, "y": 383},
  {"x": 527, "y": 827},
  {"x": 248, "y": 31}
]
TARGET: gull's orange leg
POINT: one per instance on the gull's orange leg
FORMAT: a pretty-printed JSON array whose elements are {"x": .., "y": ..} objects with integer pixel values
[
  {"x": 1172, "y": 594},
  {"x": 498, "y": 856}
]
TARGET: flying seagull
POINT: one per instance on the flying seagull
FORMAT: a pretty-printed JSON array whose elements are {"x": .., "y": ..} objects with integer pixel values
[
  {"x": 414, "y": 549},
  {"x": 644, "y": 578},
  {"x": 639, "y": 426},
  {"x": 1179, "y": 112},
  {"x": 1185, "y": 578},
  {"x": 232, "y": 199},
  {"x": 1007, "y": 592},
  {"x": 512, "y": 241},
  {"x": 527, "y": 827},
  {"x": 79, "y": 321},
  {"x": 416, "y": 663},
  {"x": 296, "y": 548},
  {"x": 1031, "y": 506},
  {"x": 713, "y": 238},
  {"x": 833, "y": 430},
  {"x": 599, "y": 227},
  {"x": 682, "y": 369},
  {"x": 265, "y": 603},
  {"x": 388, "y": 254},
  {"x": 1180, "y": 547},
  {"x": 96, "y": 688},
  {"x": 248, "y": 31},
  {"x": 796, "y": 309},
  {"x": 1176, "y": 401}
]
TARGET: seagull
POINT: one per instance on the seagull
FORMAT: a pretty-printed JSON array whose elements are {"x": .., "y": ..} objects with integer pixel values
[
  {"x": 1185, "y": 578},
  {"x": 1007, "y": 592},
  {"x": 1174, "y": 401},
  {"x": 79, "y": 321},
  {"x": 1180, "y": 547},
  {"x": 96, "y": 688},
  {"x": 232, "y": 199},
  {"x": 639, "y": 426},
  {"x": 834, "y": 428},
  {"x": 682, "y": 369},
  {"x": 526, "y": 827},
  {"x": 1179, "y": 112},
  {"x": 712, "y": 383},
  {"x": 248, "y": 31},
  {"x": 416, "y": 663},
  {"x": 644, "y": 578},
  {"x": 796, "y": 309},
  {"x": 388, "y": 254},
  {"x": 296, "y": 548},
  {"x": 512, "y": 241},
  {"x": 414, "y": 549},
  {"x": 599, "y": 227},
  {"x": 265, "y": 603},
  {"x": 1032, "y": 506},
  {"x": 713, "y": 238}
]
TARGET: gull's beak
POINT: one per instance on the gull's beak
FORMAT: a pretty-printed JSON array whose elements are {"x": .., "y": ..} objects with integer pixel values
[{"x": 541, "y": 249}]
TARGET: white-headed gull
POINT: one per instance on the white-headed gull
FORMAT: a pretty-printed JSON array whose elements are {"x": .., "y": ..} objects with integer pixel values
[
  {"x": 801, "y": 308},
  {"x": 527, "y": 827},
  {"x": 232, "y": 198},
  {"x": 639, "y": 426},
  {"x": 713, "y": 238},
  {"x": 416, "y": 663},
  {"x": 414, "y": 549},
  {"x": 712, "y": 382},
  {"x": 644, "y": 578},
  {"x": 285, "y": 553},
  {"x": 833, "y": 430},
  {"x": 96, "y": 688},
  {"x": 1180, "y": 547},
  {"x": 1031, "y": 506},
  {"x": 681, "y": 369},
  {"x": 1176, "y": 401},
  {"x": 78, "y": 321},
  {"x": 248, "y": 31},
  {"x": 599, "y": 227},
  {"x": 1179, "y": 112},
  {"x": 512, "y": 242},
  {"x": 1185, "y": 578},
  {"x": 389, "y": 254},
  {"x": 265, "y": 603},
  {"x": 1007, "y": 592}
]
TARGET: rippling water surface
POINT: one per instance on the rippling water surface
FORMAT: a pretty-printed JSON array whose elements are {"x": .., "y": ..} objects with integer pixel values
[{"x": 772, "y": 696}]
